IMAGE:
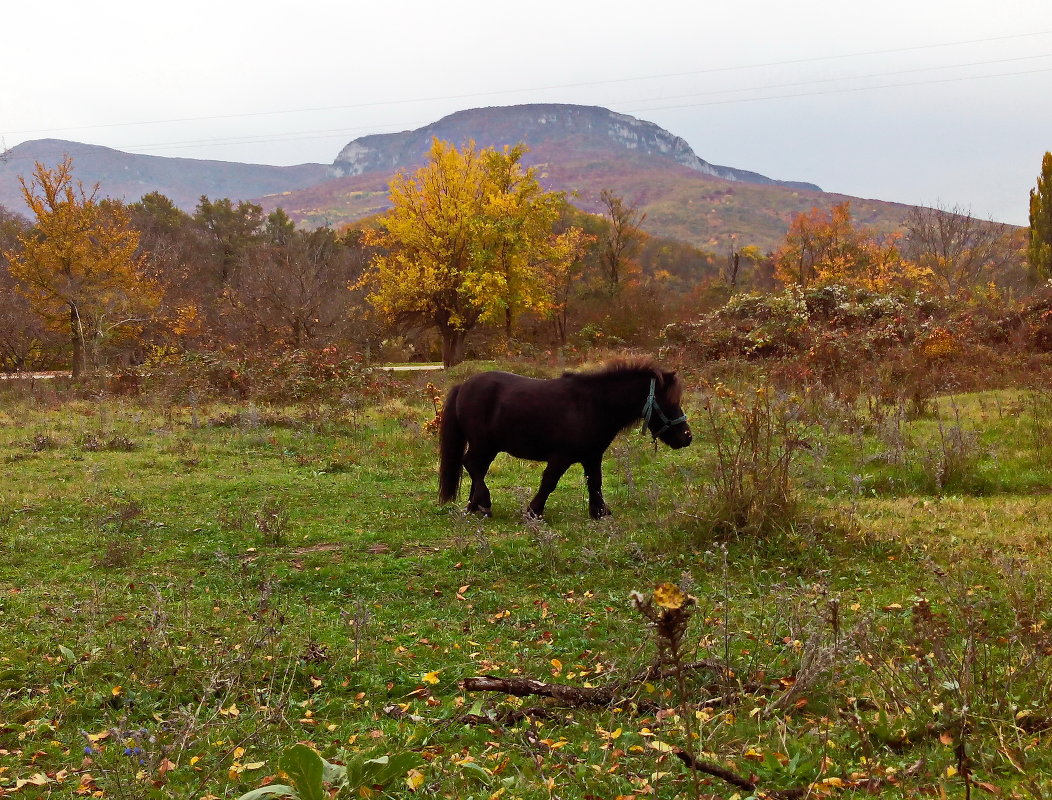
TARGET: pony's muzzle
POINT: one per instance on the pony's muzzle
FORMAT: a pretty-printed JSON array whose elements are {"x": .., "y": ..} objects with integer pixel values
[{"x": 682, "y": 439}]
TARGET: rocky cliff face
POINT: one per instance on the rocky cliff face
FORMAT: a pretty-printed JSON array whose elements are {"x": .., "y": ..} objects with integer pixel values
[{"x": 578, "y": 127}]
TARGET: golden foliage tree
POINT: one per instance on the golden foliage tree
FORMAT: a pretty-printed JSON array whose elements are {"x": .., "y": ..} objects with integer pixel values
[
  {"x": 469, "y": 240},
  {"x": 823, "y": 247},
  {"x": 78, "y": 266}
]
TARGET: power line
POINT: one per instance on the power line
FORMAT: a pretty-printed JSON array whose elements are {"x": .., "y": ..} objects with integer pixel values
[
  {"x": 849, "y": 78},
  {"x": 631, "y": 105},
  {"x": 583, "y": 84},
  {"x": 847, "y": 89},
  {"x": 639, "y": 105}
]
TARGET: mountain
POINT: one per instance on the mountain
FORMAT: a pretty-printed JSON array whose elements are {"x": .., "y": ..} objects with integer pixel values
[
  {"x": 128, "y": 176},
  {"x": 580, "y": 150},
  {"x": 571, "y": 127}
]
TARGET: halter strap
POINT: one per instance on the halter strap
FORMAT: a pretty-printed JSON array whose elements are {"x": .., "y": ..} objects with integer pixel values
[{"x": 651, "y": 407}]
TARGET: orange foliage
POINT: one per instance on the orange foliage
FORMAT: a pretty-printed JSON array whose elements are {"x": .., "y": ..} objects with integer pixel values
[
  {"x": 78, "y": 266},
  {"x": 823, "y": 248}
]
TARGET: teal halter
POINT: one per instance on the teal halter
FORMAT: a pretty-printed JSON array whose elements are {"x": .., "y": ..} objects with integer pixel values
[{"x": 651, "y": 407}]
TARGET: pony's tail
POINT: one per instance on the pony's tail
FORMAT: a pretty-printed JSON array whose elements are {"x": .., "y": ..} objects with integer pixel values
[{"x": 450, "y": 449}]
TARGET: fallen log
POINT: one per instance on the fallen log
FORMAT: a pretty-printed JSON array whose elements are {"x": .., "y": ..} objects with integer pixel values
[{"x": 527, "y": 687}]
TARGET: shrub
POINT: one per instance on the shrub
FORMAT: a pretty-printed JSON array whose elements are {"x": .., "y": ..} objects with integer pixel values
[
  {"x": 272, "y": 377},
  {"x": 755, "y": 435}
]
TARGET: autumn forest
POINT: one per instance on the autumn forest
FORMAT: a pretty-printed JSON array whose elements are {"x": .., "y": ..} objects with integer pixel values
[{"x": 474, "y": 259}]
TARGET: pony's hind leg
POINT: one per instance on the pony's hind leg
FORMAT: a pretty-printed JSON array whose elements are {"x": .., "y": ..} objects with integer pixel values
[{"x": 477, "y": 463}]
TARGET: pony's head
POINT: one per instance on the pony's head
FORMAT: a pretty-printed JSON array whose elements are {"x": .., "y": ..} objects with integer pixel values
[
  {"x": 663, "y": 392},
  {"x": 662, "y": 413}
]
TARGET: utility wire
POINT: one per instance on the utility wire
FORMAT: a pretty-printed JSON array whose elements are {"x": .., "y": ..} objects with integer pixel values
[
  {"x": 635, "y": 106},
  {"x": 556, "y": 87},
  {"x": 846, "y": 89}
]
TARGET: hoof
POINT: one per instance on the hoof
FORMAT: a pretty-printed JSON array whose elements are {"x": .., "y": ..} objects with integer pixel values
[
  {"x": 600, "y": 513},
  {"x": 480, "y": 511},
  {"x": 533, "y": 516}
]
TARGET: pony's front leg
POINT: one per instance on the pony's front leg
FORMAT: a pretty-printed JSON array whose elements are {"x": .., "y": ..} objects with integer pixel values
[
  {"x": 593, "y": 473},
  {"x": 549, "y": 479}
]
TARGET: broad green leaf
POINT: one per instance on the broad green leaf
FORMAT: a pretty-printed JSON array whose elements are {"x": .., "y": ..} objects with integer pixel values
[
  {"x": 304, "y": 767},
  {"x": 477, "y": 772},
  {"x": 335, "y": 774},
  {"x": 264, "y": 792}
]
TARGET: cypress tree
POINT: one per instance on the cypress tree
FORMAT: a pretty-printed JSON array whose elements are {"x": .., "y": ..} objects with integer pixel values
[{"x": 1039, "y": 251}]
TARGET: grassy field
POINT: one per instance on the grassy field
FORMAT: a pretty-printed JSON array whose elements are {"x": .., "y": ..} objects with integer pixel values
[{"x": 188, "y": 591}]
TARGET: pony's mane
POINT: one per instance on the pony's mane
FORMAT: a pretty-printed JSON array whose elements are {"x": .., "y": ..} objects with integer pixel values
[{"x": 672, "y": 389}]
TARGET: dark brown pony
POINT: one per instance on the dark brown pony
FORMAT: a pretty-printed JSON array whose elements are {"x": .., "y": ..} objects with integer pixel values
[{"x": 563, "y": 421}]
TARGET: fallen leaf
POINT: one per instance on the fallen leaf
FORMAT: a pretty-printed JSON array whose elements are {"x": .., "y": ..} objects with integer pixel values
[
  {"x": 414, "y": 780},
  {"x": 40, "y": 779}
]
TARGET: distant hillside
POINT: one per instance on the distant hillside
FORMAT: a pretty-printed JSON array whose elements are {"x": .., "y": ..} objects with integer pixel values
[
  {"x": 680, "y": 204},
  {"x": 573, "y": 128},
  {"x": 583, "y": 154},
  {"x": 580, "y": 150},
  {"x": 128, "y": 176}
]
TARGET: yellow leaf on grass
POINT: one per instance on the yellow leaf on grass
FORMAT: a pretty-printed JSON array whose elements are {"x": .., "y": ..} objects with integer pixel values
[
  {"x": 431, "y": 677},
  {"x": 661, "y": 746},
  {"x": 414, "y": 780},
  {"x": 40, "y": 779}
]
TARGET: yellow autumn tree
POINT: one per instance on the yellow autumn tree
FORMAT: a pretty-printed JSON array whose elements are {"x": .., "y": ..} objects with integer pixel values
[
  {"x": 826, "y": 247},
  {"x": 78, "y": 265},
  {"x": 469, "y": 239}
]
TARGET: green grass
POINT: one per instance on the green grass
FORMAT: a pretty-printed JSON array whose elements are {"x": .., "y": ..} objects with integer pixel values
[{"x": 203, "y": 588}]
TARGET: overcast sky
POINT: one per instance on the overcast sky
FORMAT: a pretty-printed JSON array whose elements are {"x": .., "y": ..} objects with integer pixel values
[{"x": 929, "y": 102}]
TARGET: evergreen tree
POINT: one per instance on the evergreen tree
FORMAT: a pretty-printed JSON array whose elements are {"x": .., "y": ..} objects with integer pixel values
[{"x": 1039, "y": 252}]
